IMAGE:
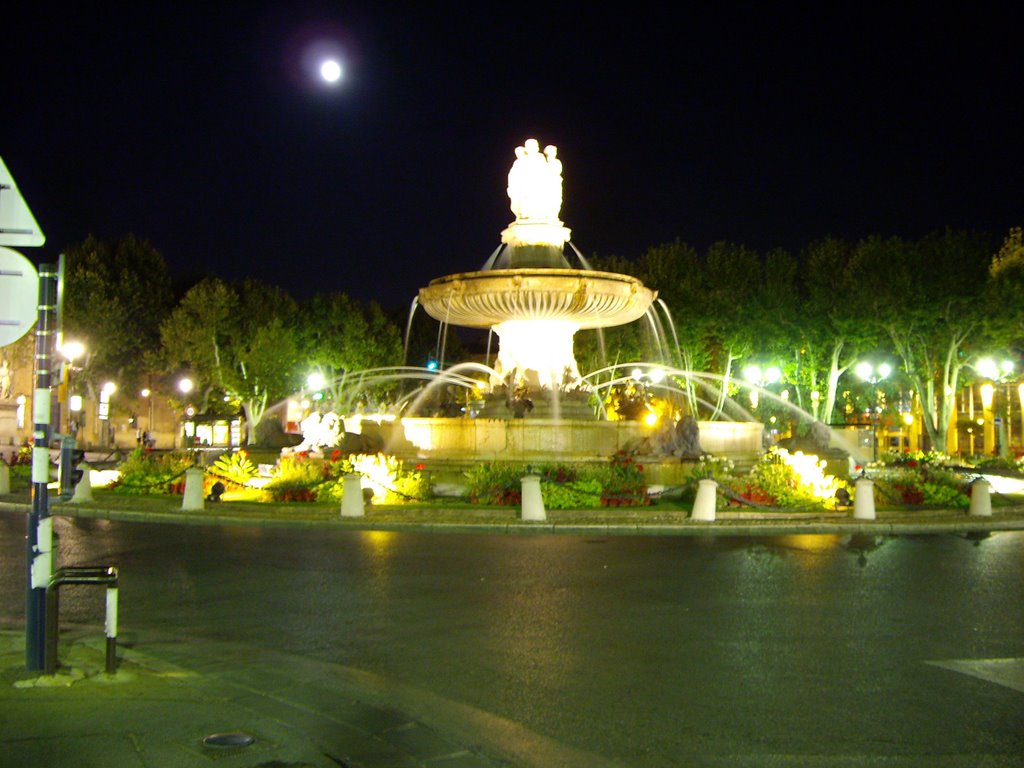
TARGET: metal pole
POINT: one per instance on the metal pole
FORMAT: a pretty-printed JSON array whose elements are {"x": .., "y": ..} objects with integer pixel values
[{"x": 39, "y": 539}]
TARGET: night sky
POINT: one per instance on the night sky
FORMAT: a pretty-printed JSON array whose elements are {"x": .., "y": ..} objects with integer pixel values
[{"x": 197, "y": 127}]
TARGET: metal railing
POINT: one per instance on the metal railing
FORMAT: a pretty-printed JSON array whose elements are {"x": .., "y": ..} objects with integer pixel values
[{"x": 100, "y": 575}]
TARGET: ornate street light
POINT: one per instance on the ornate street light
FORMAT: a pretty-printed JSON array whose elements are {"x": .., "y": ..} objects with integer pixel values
[
  {"x": 71, "y": 350},
  {"x": 758, "y": 379},
  {"x": 107, "y": 435},
  {"x": 874, "y": 375},
  {"x": 996, "y": 435}
]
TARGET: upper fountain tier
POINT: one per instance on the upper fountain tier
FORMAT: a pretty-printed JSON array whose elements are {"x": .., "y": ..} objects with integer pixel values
[
  {"x": 585, "y": 298},
  {"x": 527, "y": 293},
  {"x": 533, "y": 280}
]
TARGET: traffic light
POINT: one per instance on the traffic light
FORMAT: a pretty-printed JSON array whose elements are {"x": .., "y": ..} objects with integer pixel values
[{"x": 77, "y": 457}]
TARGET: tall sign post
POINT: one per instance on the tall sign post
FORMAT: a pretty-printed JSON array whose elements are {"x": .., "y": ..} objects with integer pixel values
[
  {"x": 39, "y": 545},
  {"x": 26, "y": 297}
]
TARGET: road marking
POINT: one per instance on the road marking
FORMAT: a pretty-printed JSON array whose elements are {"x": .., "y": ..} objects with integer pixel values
[{"x": 1007, "y": 672}]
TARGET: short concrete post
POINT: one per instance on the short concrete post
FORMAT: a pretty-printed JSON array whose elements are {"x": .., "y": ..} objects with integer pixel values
[
  {"x": 864, "y": 499},
  {"x": 533, "y": 500},
  {"x": 706, "y": 502},
  {"x": 352, "y": 496},
  {"x": 981, "y": 498},
  {"x": 5, "y": 477},
  {"x": 83, "y": 491},
  {"x": 193, "y": 500}
]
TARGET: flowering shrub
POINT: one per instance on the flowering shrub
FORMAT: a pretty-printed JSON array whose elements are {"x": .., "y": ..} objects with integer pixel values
[
  {"x": 622, "y": 482},
  {"x": 914, "y": 459},
  {"x": 23, "y": 457},
  {"x": 711, "y": 468},
  {"x": 20, "y": 471},
  {"x": 920, "y": 484},
  {"x": 618, "y": 483},
  {"x": 789, "y": 480},
  {"x": 390, "y": 481},
  {"x": 494, "y": 483},
  {"x": 296, "y": 478},
  {"x": 301, "y": 477},
  {"x": 143, "y": 472}
]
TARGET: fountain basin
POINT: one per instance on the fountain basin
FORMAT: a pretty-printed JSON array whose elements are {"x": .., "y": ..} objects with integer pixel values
[
  {"x": 584, "y": 298},
  {"x": 544, "y": 439}
]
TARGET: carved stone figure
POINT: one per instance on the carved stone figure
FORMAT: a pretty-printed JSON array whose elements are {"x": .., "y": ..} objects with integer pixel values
[
  {"x": 5, "y": 380},
  {"x": 688, "y": 438},
  {"x": 535, "y": 183},
  {"x": 820, "y": 436},
  {"x": 320, "y": 432}
]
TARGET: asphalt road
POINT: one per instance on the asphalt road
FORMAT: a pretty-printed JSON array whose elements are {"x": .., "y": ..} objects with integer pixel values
[{"x": 648, "y": 650}]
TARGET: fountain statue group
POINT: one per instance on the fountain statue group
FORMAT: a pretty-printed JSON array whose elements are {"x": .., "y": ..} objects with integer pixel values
[{"x": 535, "y": 182}]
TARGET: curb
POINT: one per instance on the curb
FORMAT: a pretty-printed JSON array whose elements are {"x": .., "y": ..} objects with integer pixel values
[{"x": 958, "y": 522}]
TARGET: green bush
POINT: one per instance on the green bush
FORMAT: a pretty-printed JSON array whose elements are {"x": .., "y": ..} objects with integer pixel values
[
  {"x": 578, "y": 494},
  {"x": 298, "y": 477},
  {"x": 494, "y": 483},
  {"x": 301, "y": 477},
  {"x": 234, "y": 467},
  {"x": 143, "y": 472},
  {"x": 620, "y": 482},
  {"x": 709, "y": 467},
  {"x": 774, "y": 479},
  {"x": 916, "y": 483}
]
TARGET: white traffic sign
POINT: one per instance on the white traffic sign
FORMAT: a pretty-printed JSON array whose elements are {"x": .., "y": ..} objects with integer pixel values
[
  {"x": 19, "y": 296},
  {"x": 17, "y": 224}
]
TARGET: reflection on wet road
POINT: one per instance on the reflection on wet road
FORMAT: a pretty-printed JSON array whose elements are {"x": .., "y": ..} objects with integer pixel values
[{"x": 649, "y": 650}]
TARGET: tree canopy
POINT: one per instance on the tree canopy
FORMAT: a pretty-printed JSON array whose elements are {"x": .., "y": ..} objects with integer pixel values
[{"x": 116, "y": 295}]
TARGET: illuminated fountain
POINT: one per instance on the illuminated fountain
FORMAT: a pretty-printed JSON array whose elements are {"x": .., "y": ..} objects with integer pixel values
[
  {"x": 534, "y": 301},
  {"x": 528, "y": 294}
]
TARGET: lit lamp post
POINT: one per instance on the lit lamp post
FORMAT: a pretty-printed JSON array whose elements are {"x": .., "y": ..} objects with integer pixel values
[
  {"x": 71, "y": 351},
  {"x": 106, "y": 391},
  {"x": 758, "y": 380},
  {"x": 148, "y": 394},
  {"x": 316, "y": 383},
  {"x": 874, "y": 375},
  {"x": 185, "y": 386},
  {"x": 1020, "y": 396},
  {"x": 997, "y": 436},
  {"x": 987, "y": 422}
]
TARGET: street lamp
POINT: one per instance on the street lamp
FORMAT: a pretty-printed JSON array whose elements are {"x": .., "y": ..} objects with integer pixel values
[
  {"x": 874, "y": 375},
  {"x": 316, "y": 382},
  {"x": 758, "y": 379},
  {"x": 108, "y": 389},
  {"x": 147, "y": 393},
  {"x": 185, "y": 386},
  {"x": 997, "y": 436},
  {"x": 71, "y": 350}
]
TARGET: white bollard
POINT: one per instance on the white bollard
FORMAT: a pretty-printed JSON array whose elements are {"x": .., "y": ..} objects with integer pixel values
[
  {"x": 706, "y": 502},
  {"x": 352, "y": 497},
  {"x": 5, "y": 477},
  {"x": 83, "y": 491},
  {"x": 533, "y": 499},
  {"x": 193, "y": 500},
  {"x": 864, "y": 499},
  {"x": 981, "y": 498}
]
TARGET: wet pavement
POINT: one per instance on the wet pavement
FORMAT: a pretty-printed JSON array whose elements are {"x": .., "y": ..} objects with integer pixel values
[{"x": 805, "y": 640}]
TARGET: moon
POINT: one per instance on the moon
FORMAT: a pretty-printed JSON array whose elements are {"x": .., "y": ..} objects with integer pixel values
[{"x": 330, "y": 71}]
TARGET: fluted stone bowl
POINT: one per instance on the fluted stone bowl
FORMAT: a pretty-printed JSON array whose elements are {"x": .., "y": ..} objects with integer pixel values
[{"x": 488, "y": 298}]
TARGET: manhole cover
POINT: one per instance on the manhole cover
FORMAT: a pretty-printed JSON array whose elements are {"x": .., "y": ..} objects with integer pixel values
[{"x": 235, "y": 739}]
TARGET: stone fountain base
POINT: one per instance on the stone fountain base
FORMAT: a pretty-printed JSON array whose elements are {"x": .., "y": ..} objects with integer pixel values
[
  {"x": 545, "y": 404},
  {"x": 544, "y": 440}
]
